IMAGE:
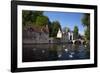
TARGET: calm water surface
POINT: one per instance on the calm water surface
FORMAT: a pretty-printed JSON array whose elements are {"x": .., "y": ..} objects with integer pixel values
[{"x": 52, "y": 52}]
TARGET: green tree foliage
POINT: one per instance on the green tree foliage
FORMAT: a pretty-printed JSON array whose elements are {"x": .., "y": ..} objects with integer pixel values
[
  {"x": 86, "y": 23},
  {"x": 66, "y": 29},
  {"x": 75, "y": 32},
  {"x": 86, "y": 20},
  {"x": 42, "y": 21},
  {"x": 87, "y": 34},
  {"x": 54, "y": 27},
  {"x": 26, "y": 17},
  {"x": 29, "y": 17},
  {"x": 36, "y": 14}
]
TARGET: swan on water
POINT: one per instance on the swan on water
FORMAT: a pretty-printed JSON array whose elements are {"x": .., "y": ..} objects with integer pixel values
[{"x": 66, "y": 50}]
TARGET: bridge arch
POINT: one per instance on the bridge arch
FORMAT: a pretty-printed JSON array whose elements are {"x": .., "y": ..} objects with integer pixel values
[{"x": 78, "y": 41}]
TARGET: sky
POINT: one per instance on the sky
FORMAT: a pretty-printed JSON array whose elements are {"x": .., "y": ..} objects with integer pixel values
[{"x": 67, "y": 19}]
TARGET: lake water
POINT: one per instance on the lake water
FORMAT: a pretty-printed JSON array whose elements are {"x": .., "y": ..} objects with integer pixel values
[{"x": 53, "y": 52}]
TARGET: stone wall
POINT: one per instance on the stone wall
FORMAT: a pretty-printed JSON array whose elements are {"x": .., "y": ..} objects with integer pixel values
[{"x": 35, "y": 37}]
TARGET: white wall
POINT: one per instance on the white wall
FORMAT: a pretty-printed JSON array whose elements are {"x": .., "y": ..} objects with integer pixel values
[{"x": 5, "y": 27}]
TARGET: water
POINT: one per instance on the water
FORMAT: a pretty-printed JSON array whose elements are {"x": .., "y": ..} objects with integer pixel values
[{"x": 53, "y": 52}]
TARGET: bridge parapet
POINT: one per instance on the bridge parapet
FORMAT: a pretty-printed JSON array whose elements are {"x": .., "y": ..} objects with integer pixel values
[{"x": 78, "y": 41}]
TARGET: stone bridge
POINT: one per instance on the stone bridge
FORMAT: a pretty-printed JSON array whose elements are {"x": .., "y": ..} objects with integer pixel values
[{"x": 79, "y": 41}]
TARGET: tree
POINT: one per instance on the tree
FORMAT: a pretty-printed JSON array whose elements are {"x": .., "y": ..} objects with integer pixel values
[
  {"x": 87, "y": 34},
  {"x": 26, "y": 17},
  {"x": 54, "y": 27},
  {"x": 75, "y": 32},
  {"x": 86, "y": 24},
  {"x": 66, "y": 29},
  {"x": 42, "y": 21},
  {"x": 36, "y": 14},
  {"x": 86, "y": 20},
  {"x": 29, "y": 17}
]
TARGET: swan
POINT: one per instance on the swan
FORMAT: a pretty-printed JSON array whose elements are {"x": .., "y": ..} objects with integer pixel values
[{"x": 66, "y": 50}]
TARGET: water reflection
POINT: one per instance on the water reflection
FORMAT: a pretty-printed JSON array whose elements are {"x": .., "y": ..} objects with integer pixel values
[{"x": 51, "y": 52}]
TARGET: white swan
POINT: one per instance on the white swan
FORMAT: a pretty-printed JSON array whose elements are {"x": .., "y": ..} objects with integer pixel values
[
  {"x": 70, "y": 55},
  {"x": 66, "y": 50}
]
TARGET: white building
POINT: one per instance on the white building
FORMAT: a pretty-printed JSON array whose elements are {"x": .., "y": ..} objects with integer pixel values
[
  {"x": 65, "y": 36},
  {"x": 70, "y": 35},
  {"x": 59, "y": 34}
]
